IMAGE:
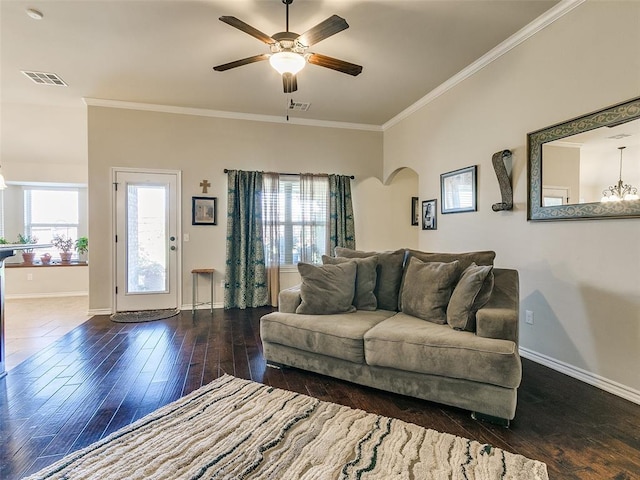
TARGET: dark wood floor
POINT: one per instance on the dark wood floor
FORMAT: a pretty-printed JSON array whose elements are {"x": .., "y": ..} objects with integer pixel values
[{"x": 104, "y": 375}]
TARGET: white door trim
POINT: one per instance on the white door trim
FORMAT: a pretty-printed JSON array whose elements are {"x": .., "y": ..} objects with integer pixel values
[{"x": 178, "y": 173}]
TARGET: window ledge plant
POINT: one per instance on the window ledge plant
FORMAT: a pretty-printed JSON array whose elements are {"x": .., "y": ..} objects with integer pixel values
[{"x": 65, "y": 245}]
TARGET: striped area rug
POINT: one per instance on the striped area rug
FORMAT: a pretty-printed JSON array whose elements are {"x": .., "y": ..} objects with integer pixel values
[{"x": 238, "y": 429}]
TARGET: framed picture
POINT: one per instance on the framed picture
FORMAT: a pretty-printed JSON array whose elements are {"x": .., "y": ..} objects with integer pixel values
[
  {"x": 414, "y": 211},
  {"x": 458, "y": 190},
  {"x": 204, "y": 211},
  {"x": 429, "y": 215}
]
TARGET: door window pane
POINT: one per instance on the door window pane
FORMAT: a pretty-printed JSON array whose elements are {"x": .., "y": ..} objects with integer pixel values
[{"x": 146, "y": 239}]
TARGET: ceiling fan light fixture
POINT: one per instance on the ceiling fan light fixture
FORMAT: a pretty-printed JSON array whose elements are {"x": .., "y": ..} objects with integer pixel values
[{"x": 287, "y": 62}]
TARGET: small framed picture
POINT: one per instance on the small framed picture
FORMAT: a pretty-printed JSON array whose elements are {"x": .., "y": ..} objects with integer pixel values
[
  {"x": 204, "y": 211},
  {"x": 429, "y": 213},
  {"x": 458, "y": 190},
  {"x": 415, "y": 211}
]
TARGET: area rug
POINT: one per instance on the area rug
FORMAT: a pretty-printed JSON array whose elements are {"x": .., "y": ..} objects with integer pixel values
[
  {"x": 143, "y": 315},
  {"x": 238, "y": 429}
]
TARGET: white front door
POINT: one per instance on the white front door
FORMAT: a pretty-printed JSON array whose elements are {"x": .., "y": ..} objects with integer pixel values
[{"x": 146, "y": 240}]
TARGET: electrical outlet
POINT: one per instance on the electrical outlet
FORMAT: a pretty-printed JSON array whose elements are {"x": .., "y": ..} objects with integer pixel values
[
  {"x": 29, "y": 276},
  {"x": 528, "y": 317}
]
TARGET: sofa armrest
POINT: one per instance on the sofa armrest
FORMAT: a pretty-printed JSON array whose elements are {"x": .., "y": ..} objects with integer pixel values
[
  {"x": 499, "y": 318},
  {"x": 289, "y": 299}
]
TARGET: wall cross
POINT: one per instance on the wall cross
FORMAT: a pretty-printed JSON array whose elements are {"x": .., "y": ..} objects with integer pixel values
[{"x": 205, "y": 184}]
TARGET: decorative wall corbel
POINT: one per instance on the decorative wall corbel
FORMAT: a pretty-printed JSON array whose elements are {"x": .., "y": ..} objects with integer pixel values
[{"x": 499, "y": 161}]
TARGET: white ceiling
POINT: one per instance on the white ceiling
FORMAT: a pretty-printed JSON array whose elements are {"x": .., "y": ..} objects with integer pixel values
[{"x": 162, "y": 52}]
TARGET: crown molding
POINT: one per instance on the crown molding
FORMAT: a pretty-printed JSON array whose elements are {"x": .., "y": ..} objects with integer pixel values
[
  {"x": 203, "y": 112},
  {"x": 544, "y": 20}
]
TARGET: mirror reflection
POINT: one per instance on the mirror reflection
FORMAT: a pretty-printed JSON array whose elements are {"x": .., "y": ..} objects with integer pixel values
[{"x": 580, "y": 168}]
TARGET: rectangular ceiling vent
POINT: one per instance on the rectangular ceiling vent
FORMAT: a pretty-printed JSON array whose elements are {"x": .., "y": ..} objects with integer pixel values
[
  {"x": 42, "y": 78},
  {"x": 620, "y": 136},
  {"x": 299, "y": 106}
]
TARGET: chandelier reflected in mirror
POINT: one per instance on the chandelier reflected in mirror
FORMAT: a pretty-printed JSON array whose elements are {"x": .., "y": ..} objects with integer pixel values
[{"x": 622, "y": 191}]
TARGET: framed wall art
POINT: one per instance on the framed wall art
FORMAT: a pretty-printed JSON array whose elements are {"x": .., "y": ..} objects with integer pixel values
[
  {"x": 458, "y": 190},
  {"x": 204, "y": 211},
  {"x": 429, "y": 215},
  {"x": 415, "y": 211}
]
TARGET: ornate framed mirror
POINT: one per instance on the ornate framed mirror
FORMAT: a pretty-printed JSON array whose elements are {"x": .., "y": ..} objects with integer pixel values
[{"x": 572, "y": 164}]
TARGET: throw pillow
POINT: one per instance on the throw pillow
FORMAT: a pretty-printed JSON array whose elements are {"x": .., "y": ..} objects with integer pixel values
[
  {"x": 465, "y": 259},
  {"x": 327, "y": 289},
  {"x": 427, "y": 288},
  {"x": 364, "y": 298},
  {"x": 389, "y": 274},
  {"x": 471, "y": 293}
]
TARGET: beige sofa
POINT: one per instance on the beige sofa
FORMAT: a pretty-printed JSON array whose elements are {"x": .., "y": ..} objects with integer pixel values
[{"x": 477, "y": 370}]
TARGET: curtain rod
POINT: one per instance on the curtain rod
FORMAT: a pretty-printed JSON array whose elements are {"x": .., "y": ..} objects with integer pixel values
[{"x": 226, "y": 170}]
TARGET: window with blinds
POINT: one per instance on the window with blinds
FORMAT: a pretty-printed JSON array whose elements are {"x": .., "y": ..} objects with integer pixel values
[
  {"x": 51, "y": 211},
  {"x": 303, "y": 213}
]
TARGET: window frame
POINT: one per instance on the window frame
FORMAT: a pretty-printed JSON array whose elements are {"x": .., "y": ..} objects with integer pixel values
[
  {"x": 27, "y": 213},
  {"x": 288, "y": 225}
]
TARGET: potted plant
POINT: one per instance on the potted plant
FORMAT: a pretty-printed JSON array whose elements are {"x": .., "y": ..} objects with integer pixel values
[
  {"x": 65, "y": 245},
  {"x": 27, "y": 253},
  {"x": 82, "y": 247}
]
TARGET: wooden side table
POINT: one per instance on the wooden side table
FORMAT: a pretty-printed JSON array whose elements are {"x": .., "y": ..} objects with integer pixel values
[{"x": 196, "y": 272}]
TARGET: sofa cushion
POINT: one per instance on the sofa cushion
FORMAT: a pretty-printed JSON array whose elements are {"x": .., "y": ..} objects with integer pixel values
[
  {"x": 389, "y": 274},
  {"x": 327, "y": 289},
  {"x": 470, "y": 294},
  {"x": 465, "y": 259},
  {"x": 426, "y": 289},
  {"x": 339, "y": 336},
  {"x": 407, "y": 343},
  {"x": 366, "y": 275}
]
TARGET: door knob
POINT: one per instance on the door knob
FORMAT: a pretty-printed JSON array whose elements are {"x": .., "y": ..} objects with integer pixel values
[
  {"x": 173, "y": 239},
  {"x": 173, "y": 247}
]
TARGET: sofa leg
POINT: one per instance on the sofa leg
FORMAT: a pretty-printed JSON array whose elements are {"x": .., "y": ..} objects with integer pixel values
[
  {"x": 277, "y": 365},
  {"x": 482, "y": 417}
]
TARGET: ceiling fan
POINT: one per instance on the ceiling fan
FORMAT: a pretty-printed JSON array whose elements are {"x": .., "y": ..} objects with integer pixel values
[{"x": 289, "y": 50}]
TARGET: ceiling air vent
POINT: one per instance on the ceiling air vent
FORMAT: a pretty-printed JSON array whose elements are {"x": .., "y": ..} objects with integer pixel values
[
  {"x": 42, "y": 78},
  {"x": 620, "y": 136},
  {"x": 299, "y": 106}
]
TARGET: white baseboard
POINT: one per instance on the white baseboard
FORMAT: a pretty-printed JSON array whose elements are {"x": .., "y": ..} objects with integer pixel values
[
  {"x": 602, "y": 383},
  {"x": 187, "y": 306},
  {"x": 15, "y": 296},
  {"x": 99, "y": 311}
]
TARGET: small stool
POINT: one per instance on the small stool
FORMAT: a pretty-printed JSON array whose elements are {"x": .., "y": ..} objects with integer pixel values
[{"x": 194, "y": 296}]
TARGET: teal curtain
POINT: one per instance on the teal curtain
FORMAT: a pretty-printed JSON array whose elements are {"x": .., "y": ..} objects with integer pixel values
[
  {"x": 245, "y": 282},
  {"x": 341, "y": 227}
]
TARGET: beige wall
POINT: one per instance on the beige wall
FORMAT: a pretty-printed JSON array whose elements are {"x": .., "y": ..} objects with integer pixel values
[
  {"x": 44, "y": 143},
  {"x": 202, "y": 147},
  {"x": 579, "y": 278},
  {"x": 25, "y": 282}
]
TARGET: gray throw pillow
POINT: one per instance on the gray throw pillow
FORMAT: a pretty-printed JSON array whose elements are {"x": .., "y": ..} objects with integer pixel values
[
  {"x": 327, "y": 289},
  {"x": 471, "y": 293},
  {"x": 364, "y": 298},
  {"x": 426, "y": 289},
  {"x": 389, "y": 274},
  {"x": 467, "y": 258}
]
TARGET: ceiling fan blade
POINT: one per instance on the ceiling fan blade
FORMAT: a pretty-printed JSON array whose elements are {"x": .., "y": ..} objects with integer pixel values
[
  {"x": 335, "y": 64},
  {"x": 325, "y": 29},
  {"x": 239, "y": 63},
  {"x": 289, "y": 82},
  {"x": 246, "y": 28}
]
